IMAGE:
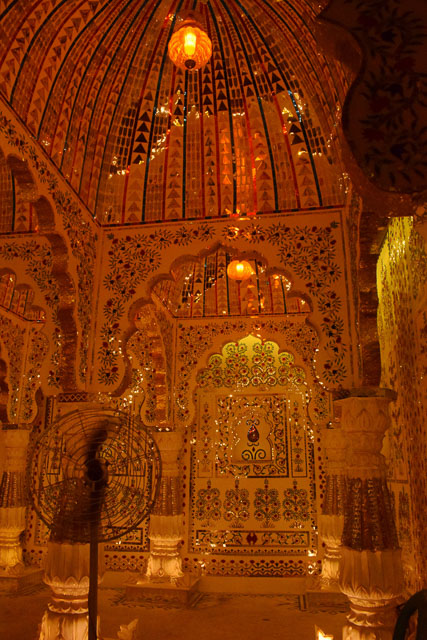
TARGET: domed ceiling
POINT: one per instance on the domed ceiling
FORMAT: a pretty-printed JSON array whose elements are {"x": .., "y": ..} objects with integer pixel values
[{"x": 142, "y": 141}]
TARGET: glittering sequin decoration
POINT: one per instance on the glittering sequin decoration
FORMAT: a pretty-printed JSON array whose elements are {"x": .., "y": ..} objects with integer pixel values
[{"x": 267, "y": 505}]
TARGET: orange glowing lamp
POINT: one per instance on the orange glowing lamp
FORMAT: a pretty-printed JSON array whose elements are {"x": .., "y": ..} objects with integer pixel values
[
  {"x": 190, "y": 47},
  {"x": 239, "y": 270}
]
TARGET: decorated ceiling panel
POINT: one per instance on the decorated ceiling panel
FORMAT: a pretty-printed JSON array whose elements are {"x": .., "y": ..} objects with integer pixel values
[{"x": 141, "y": 140}]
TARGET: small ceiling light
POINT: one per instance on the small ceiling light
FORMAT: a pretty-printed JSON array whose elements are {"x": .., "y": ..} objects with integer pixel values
[
  {"x": 239, "y": 270},
  {"x": 190, "y": 47}
]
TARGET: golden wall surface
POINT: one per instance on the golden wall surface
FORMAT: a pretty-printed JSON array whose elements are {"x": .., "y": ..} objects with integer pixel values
[{"x": 402, "y": 326}]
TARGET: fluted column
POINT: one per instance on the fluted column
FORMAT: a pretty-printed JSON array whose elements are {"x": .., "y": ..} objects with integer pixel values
[
  {"x": 166, "y": 520},
  {"x": 370, "y": 565},
  {"x": 67, "y": 574},
  {"x": 13, "y": 502},
  {"x": 331, "y": 521}
]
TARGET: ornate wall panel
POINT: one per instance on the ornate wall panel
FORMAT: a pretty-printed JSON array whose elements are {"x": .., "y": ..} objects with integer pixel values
[
  {"x": 311, "y": 253},
  {"x": 24, "y": 341},
  {"x": 402, "y": 279},
  {"x": 12, "y": 337},
  {"x": 252, "y": 489},
  {"x": 65, "y": 222}
]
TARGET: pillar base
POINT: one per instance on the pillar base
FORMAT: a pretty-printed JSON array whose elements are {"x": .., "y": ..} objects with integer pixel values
[
  {"x": 356, "y": 633},
  {"x": 20, "y": 579},
  {"x": 184, "y": 592},
  {"x": 373, "y": 582},
  {"x": 330, "y": 530}
]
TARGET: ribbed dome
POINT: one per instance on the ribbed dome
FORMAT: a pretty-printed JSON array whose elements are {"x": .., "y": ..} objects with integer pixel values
[{"x": 142, "y": 141}]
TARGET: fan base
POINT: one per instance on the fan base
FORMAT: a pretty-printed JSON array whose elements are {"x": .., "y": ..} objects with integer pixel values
[{"x": 184, "y": 592}]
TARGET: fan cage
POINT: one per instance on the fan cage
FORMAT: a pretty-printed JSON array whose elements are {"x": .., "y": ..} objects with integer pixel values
[{"x": 68, "y": 501}]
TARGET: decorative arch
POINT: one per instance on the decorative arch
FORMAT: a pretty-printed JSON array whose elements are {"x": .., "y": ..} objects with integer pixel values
[
  {"x": 199, "y": 286},
  {"x": 252, "y": 488},
  {"x": 384, "y": 112},
  {"x": 22, "y": 331},
  {"x": 12, "y": 339},
  {"x": 148, "y": 370},
  {"x": 47, "y": 266},
  {"x": 18, "y": 298},
  {"x": 252, "y": 364},
  {"x": 194, "y": 342},
  {"x": 310, "y": 255}
]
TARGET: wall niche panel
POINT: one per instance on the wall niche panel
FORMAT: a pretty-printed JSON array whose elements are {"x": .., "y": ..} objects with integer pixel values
[{"x": 252, "y": 489}]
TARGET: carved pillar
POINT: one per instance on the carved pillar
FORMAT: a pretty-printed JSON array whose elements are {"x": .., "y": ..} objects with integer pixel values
[
  {"x": 331, "y": 521},
  {"x": 166, "y": 520},
  {"x": 13, "y": 503},
  {"x": 67, "y": 574},
  {"x": 370, "y": 565}
]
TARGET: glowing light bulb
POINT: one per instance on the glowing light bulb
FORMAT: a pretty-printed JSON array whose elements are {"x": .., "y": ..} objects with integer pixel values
[
  {"x": 190, "y": 40},
  {"x": 239, "y": 270},
  {"x": 190, "y": 46}
]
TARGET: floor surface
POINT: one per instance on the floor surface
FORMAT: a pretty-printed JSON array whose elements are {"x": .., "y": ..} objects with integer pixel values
[{"x": 216, "y": 615}]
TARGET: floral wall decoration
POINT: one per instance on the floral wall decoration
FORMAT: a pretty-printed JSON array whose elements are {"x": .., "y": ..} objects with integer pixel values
[
  {"x": 311, "y": 254},
  {"x": 38, "y": 347},
  {"x": 208, "y": 504},
  {"x": 402, "y": 326},
  {"x": 247, "y": 567},
  {"x": 296, "y": 505},
  {"x": 76, "y": 223},
  {"x": 131, "y": 261},
  {"x": 236, "y": 505},
  {"x": 266, "y": 506}
]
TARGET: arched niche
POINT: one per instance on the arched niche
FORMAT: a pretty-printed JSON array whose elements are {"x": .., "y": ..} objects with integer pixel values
[
  {"x": 257, "y": 394},
  {"x": 253, "y": 460}
]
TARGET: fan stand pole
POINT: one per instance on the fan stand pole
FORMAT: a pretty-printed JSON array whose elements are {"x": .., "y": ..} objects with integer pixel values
[{"x": 92, "y": 600}]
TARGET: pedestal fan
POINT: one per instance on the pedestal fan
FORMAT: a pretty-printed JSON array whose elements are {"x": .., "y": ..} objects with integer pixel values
[{"x": 94, "y": 476}]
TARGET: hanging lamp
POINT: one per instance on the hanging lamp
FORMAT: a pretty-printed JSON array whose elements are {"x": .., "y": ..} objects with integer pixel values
[
  {"x": 239, "y": 270},
  {"x": 190, "y": 46}
]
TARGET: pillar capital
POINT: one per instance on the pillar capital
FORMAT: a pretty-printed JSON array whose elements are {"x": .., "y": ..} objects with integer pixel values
[
  {"x": 365, "y": 419},
  {"x": 334, "y": 447}
]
